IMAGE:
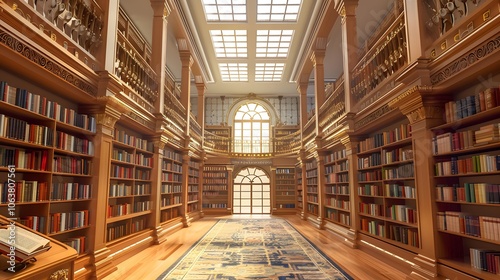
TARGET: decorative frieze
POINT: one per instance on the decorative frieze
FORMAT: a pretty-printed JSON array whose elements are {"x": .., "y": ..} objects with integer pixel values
[{"x": 373, "y": 116}]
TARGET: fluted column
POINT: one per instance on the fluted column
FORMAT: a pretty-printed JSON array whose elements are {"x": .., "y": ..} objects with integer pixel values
[
  {"x": 161, "y": 10},
  {"x": 106, "y": 53},
  {"x": 159, "y": 142},
  {"x": 187, "y": 62},
  {"x": 317, "y": 58},
  {"x": 351, "y": 144},
  {"x": 186, "y": 220},
  {"x": 201, "y": 108},
  {"x": 347, "y": 11},
  {"x": 302, "y": 88},
  {"x": 320, "y": 160},
  {"x": 421, "y": 38}
]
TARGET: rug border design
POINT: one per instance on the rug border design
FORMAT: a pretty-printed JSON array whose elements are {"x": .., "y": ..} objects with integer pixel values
[{"x": 318, "y": 250}]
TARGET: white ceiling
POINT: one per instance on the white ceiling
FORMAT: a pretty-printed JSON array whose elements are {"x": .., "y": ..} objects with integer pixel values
[{"x": 369, "y": 15}]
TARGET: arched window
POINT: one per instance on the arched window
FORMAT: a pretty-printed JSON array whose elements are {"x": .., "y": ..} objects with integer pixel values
[
  {"x": 252, "y": 192},
  {"x": 251, "y": 129}
]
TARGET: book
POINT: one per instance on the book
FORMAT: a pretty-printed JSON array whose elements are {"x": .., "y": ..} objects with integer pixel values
[{"x": 23, "y": 243}]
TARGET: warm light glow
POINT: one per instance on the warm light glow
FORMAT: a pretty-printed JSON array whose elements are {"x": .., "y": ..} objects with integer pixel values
[{"x": 225, "y": 10}]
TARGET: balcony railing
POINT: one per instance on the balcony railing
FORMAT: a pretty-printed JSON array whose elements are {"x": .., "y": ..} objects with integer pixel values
[
  {"x": 334, "y": 106},
  {"x": 216, "y": 143},
  {"x": 287, "y": 144},
  {"x": 386, "y": 53}
]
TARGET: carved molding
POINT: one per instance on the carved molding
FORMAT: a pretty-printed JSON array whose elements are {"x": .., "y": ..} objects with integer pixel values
[
  {"x": 61, "y": 274},
  {"x": 425, "y": 112},
  {"x": 373, "y": 116},
  {"x": 466, "y": 60},
  {"x": 36, "y": 57}
]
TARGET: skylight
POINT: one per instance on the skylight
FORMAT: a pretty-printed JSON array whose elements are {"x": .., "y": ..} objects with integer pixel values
[
  {"x": 229, "y": 43},
  {"x": 234, "y": 72},
  {"x": 268, "y": 72},
  {"x": 225, "y": 10},
  {"x": 273, "y": 43},
  {"x": 278, "y": 10}
]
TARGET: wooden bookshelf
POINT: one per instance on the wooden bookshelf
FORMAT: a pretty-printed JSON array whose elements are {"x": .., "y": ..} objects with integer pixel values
[
  {"x": 386, "y": 187},
  {"x": 337, "y": 191},
  {"x": 171, "y": 186},
  {"x": 130, "y": 187},
  {"x": 311, "y": 192},
  {"x": 466, "y": 151},
  {"x": 284, "y": 191},
  {"x": 193, "y": 188},
  {"x": 300, "y": 191},
  {"x": 215, "y": 193},
  {"x": 46, "y": 153}
]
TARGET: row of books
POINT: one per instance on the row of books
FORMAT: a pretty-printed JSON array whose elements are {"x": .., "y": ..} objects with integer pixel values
[
  {"x": 457, "y": 141},
  {"x": 120, "y": 189},
  {"x": 194, "y": 172},
  {"x": 371, "y": 190},
  {"x": 469, "y": 192},
  {"x": 143, "y": 160},
  {"x": 119, "y": 210},
  {"x": 285, "y": 171},
  {"x": 339, "y": 203},
  {"x": 37, "y": 223},
  {"x": 373, "y": 227},
  {"x": 77, "y": 243},
  {"x": 486, "y": 260},
  {"x": 311, "y": 165},
  {"x": 21, "y": 130},
  {"x": 75, "y": 144},
  {"x": 311, "y": 173},
  {"x": 214, "y": 168},
  {"x": 24, "y": 159},
  {"x": 336, "y": 155},
  {"x": 286, "y": 205},
  {"x": 397, "y": 190},
  {"x": 171, "y": 166},
  {"x": 220, "y": 181},
  {"x": 170, "y": 213},
  {"x": 131, "y": 140},
  {"x": 312, "y": 189},
  {"x": 172, "y": 155},
  {"x": 397, "y": 155},
  {"x": 312, "y": 198},
  {"x": 402, "y": 213},
  {"x": 472, "y": 104},
  {"x": 215, "y": 174},
  {"x": 66, "y": 164},
  {"x": 193, "y": 188},
  {"x": 366, "y": 176},
  {"x": 387, "y": 137},
  {"x": 194, "y": 164},
  {"x": 487, "y": 134},
  {"x": 140, "y": 206},
  {"x": 39, "y": 104},
  {"x": 215, "y": 205},
  {"x": 70, "y": 191},
  {"x": 193, "y": 180},
  {"x": 369, "y": 161},
  {"x": 23, "y": 191},
  {"x": 169, "y": 188},
  {"x": 340, "y": 167},
  {"x": 402, "y": 171},
  {"x": 371, "y": 209},
  {"x": 214, "y": 188},
  {"x": 337, "y": 190},
  {"x": 142, "y": 189},
  {"x": 122, "y": 172},
  {"x": 281, "y": 181},
  {"x": 404, "y": 235},
  {"x": 337, "y": 178},
  {"x": 142, "y": 174},
  {"x": 169, "y": 177},
  {"x": 60, "y": 222},
  {"x": 122, "y": 155},
  {"x": 474, "y": 164},
  {"x": 469, "y": 224},
  {"x": 166, "y": 201}
]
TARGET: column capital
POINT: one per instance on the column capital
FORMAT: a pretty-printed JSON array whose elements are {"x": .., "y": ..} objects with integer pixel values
[
  {"x": 160, "y": 8},
  {"x": 107, "y": 111},
  {"x": 302, "y": 87},
  {"x": 317, "y": 57},
  {"x": 186, "y": 58}
]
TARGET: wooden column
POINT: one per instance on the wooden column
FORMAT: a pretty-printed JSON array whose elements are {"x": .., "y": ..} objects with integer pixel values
[
  {"x": 200, "y": 183},
  {"x": 159, "y": 143},
  {"x": 317, "y": 58},
  {"x": 273, "y": 189},
  {"x": 107, "y": 52},
  {"x": 419, "y": 36},
  {"x": 201, "y": 108},
  {"x": 187, "y": 62},
  {"x": 186, "y": 220},
  {"x": 320, "y": 160},
  {"x": 302, "y": 166},
  {"x": 347, "y": 11},
  {"x": 424, "y": 112},
  {"x": 230, "y": 183},
  {"x": 161, "y": 10},
  {"x": 107, "y": 112},
  {"x": 302, "y": 88},
  {"x": 351, "y": 144}
]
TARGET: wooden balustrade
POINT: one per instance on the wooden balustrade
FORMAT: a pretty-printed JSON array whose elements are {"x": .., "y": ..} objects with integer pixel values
[
  {"x": 76, "y": 25},
  {"x": 287, "y": 144},
  {"x": 333, "y": 108},
  {"x": 194, "y": 126},
  {"x": 217, "y": 143},
  {"x": 386, "y": 53}
]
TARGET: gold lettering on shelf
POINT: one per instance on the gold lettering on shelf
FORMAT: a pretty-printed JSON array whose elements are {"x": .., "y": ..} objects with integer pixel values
[
  {"x": 456, "y": 38},
  {"x": 433, "y": 53},
  {"x": 53, "y": 36},
  {"x": 486, "y": 15},
  {"x": 61, "y": 274},
  {"x": 443, "y": 45}
]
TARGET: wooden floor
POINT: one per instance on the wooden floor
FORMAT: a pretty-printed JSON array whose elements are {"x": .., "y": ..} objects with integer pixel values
[{"x": 150, "y": 263}]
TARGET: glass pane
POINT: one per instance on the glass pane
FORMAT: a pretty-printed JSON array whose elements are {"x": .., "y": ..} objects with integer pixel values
[
  {"x": 245, "y": 202},
  {"x": 257, "y": 195},
  {"x": 266, "y": 210},
  {"x": 246, "y": 188},
  {"x": 247, "y": 125},
  {"x": 236, "y": 202},
  {"x": 257, "y": 188},
  {"x": 237, "y": 125},
  {"x": 257, "y": 210},
  {"x": 266, "y": 202},
  {"x": 266, "y": 187},
  {"x": 245, "y": 210},
  {"x": 245, "y": 195},
  {"x": 238, "y": 116},
  {"x": 236, "y": 188},
  {"x": 237, "y": 210},
  {"x": 256, "y": 202},
  {"x": 236, "y": 194},
  {"x": 266, "y": 195}
]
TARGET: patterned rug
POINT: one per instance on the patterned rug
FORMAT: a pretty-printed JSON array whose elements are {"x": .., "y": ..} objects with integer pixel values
[{"x": 253, "y": 249}]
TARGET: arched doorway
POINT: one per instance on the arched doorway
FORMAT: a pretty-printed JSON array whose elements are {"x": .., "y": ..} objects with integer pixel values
[{"x": 252, "y": 192}]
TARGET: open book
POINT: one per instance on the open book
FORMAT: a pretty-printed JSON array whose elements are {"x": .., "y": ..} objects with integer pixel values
[{"x": 22, "y": 243}]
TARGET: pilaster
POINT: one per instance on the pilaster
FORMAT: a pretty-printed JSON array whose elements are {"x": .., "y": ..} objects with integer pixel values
[
  {"x": 230, "y": 183},
  {"x": 107, "y": 112},
  {"x": 273, "y": 189},
  {"x": 351, "y": 144},
  {"x": 159, "y": 142},
  {"x": 161, "y": 10},
  {"x": 187, "y": 62},
  {"x": 347, "y": 11},
  {"x": 424, "y": 112},
  {"x": 201, "y": 107},
  {"x": 418, "y": 35},
  {"x": 317, "y": 57},
  {"x": 320, "y": 160},
  {"x": 302, "y": 88},
  {"x": 186, "y": 220},
  {"x": 302, "y": 164}
]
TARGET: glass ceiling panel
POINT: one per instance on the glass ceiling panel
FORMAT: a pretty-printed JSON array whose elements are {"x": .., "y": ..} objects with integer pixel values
[
  {"x": 278, "y": 10},
  {"x": 269, "y": 72},
  {"x": 225, "y": 10},
  {"x": 234, "y": 72},
  {"x": 273, "y": 43},
  {"x": 229, "y": 43}
]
